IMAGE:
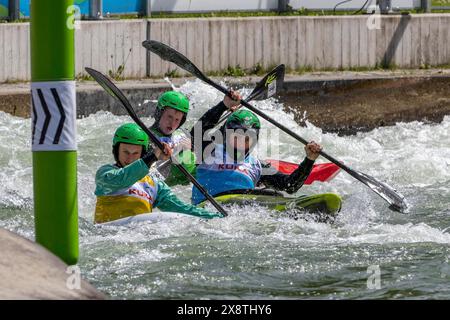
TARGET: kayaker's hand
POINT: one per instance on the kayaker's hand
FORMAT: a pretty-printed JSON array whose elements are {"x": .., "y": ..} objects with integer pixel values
[
  {"x": 312, "y": 150},
  {"x": 232, "y": 103},
  {"x": 163, "y": 155}
]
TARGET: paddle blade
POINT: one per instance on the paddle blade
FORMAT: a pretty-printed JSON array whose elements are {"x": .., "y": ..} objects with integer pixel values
[
  {"x": 116, "y": 93},
  {"x": 264, "y": 89},
  {"x": 170, "y": 54},
  {"x": 396, "y": 201},
  {"x": 109, "y": 87},
  {"x": 268, "y": 85}
]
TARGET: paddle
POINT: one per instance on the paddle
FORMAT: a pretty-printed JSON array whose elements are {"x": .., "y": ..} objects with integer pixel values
[
  {"x": 111, "y": 88},
  {"x": 264, "y": 89},
  {"x": 396, "y": 201}
]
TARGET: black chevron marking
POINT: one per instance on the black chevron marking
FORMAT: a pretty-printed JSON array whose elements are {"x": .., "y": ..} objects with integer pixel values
[
  {"x": 63, "y": 116},
  {"x": 35, "y": 118},
  {"x": 48, "y": 116}
]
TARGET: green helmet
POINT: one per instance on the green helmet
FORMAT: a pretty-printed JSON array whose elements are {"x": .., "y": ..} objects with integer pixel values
[
  {"x": 175, "y": 100},
  {"x": 243, "y": 119},
  {"x": 131, "y": 133}
]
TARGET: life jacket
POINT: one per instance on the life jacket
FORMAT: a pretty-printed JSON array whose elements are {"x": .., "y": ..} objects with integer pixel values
[
  {"x": 219, "y": 173},
  {"x": 136, "y": 199},
  {"x": 172, "y": 140},
  {"x": 172, "y": 174}
]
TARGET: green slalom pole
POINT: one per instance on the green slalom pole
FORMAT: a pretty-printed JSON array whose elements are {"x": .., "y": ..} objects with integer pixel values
[{"x": 54, "y": 128}]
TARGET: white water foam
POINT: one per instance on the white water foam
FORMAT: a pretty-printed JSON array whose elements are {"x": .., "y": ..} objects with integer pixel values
[{"x": 413, "y": 157}]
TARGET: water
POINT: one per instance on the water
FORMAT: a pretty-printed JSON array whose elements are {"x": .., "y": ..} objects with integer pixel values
[{"x": 254, "y": 253}]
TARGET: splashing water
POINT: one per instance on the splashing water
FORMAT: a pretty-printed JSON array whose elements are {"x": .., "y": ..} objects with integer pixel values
[{"x": 255, "y": 253}]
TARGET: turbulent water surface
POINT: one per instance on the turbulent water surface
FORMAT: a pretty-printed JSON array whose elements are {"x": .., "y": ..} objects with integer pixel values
[{"x": 256, "y": 253}]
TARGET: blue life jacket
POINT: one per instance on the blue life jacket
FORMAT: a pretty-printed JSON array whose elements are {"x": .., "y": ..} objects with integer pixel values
[{"x": 219, "y": 173}]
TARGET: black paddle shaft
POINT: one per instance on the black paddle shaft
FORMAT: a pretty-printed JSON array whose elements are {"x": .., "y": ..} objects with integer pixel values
[
  {"x": 191, "y": 178},
  {"x": 396, "y": 201},
  {"x": 111, "y": 88},
  {"x": 264, "y": 89},
  {"x": 260, "y": 92}
]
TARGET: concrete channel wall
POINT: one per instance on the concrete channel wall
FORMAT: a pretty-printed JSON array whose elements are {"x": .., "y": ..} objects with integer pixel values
[
  {"x": 15, "y": 52},
  {"x": 213, "y": 44}
]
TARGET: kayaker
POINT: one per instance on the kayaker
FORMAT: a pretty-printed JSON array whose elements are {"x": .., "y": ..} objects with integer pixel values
[
  {"x": 126, "y": 188},
  {"x": 228, "y": 167},
  {"x": 171, "y": 113}
]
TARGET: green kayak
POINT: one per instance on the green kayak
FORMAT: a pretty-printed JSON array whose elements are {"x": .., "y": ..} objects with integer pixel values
[{"x": 323, "y": 206}]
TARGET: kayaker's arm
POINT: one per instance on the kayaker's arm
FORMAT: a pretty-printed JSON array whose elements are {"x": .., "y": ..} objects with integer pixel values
[
  {"x": 211, "y": 118},
  {"x": 290, "y": 183},
  {"x": 110, "y": 178},
  {"x": 166, "y": 200},
  {"x": 207, "y": 122}
]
